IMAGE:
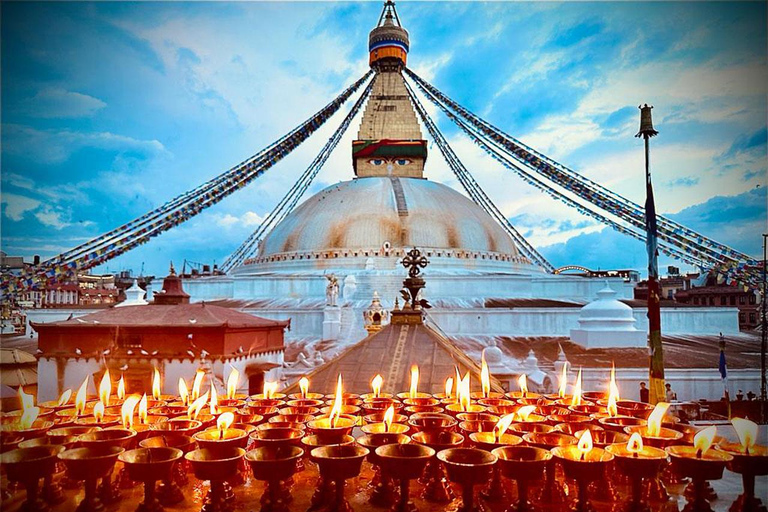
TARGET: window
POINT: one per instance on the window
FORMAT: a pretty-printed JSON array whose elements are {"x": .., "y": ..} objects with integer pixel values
[
  {"x": 733, "y": 300},
  {"x": 742, "y": 318},
  {"x": 742, "y": 299},
  {"x": 722, "y": 300},
  {"x": 752, "y": 299},
  {"x": 752, "y": 318},
  {"x": 695, "y": 300},
  {"x": 711, "y": 301}
]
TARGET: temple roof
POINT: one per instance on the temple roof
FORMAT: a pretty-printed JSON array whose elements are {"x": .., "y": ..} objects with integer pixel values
[
  {"x": 391, "y": 352},
  {"x": 197, "y": 315}
]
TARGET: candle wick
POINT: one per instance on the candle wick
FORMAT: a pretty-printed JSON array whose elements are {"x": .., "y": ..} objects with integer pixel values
[
  {"x": 221, "y": 434},
  {"x": 746, "y": 450},
  {"x": 582, "y": 455},
  {"x": 635, "y": 454},
  {"x": 698, "y": 454}
]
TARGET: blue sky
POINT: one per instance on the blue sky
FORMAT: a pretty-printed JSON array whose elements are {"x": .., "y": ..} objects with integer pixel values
[{"x": 110, "y": 109}]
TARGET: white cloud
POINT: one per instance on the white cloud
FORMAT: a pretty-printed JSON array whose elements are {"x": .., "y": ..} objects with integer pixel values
[
  {"x": 55, "y": 102},
  {"x": 56, "y": 146},
  {"x": 52, "y": 218},
  {"x": 248, "y": 219},
  {"x": 16, "y": 206}
]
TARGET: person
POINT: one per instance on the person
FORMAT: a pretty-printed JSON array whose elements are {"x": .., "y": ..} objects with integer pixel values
[
  {"x": 671, "y": 396},
  {"x": 644, "y": 393},
  {"x": 750, "y": 395},
  {"x": 740, "y": 395}
]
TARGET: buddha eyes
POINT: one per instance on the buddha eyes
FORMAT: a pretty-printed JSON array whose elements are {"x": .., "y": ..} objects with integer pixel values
[{"x": 381, "y": 161}]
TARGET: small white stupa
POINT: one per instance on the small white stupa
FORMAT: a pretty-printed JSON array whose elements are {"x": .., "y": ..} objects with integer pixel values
[
  {"x": 607, "y": 323},
  {"x": 134, "y": 296}
]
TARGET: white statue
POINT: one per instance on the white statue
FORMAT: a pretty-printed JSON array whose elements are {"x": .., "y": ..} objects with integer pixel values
[{"x": 331, "y": 290}]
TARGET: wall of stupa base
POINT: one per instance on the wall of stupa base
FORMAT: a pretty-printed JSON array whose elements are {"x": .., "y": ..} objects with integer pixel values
[
  {"x": 690, "y": 384},
  {"x": 57, "y": 374},
  {"x": 440, "y": 285}
]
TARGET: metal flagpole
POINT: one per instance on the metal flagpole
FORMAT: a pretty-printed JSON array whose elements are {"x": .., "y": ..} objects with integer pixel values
[
  {"x": 764, "y": 339},
  {"x": 656, "y": 357}
]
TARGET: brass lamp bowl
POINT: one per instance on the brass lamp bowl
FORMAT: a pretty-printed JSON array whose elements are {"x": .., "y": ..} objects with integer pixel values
[
  {"x": 90, "y": 462},
  {"x": 274, "y": 462},
  {"x": 302, "y": 410},
  {"x": 522, "y": 462},
  {"x": 378, "y": 417},
  {"x": 688, "y": 431},
  {"x": 312, "y": 441},
  {"x": 709, "y": 466},
  {"x": 219, "y": 464},
  {"x": 548, "y": 440},
  {"x": 246, "y": 416},
  {"x": 169, "y": 440},
  {"x": 339, "y": 461},
  {"x": 635, "y": 409},
  {"x": 180, "y": 425},
  {"x": 291, "y": 418},
  {"x": 467, "y": 466},
  {"x": 572, "y": 428},
  {"x": 405, "y": 461},
  {"x": 150, "y": 464},
  {"x": 586, "y": 409},
  {"x": 503, "y": 409},
  {"x": 525, "y": 428},
  {"x": 583, "y": 467},
  {"x": 277, "y": 436},
  {"x": 265, "y": 411},
  {"x": 306, "y": 402},
  {"x": 496, "y": 402},
  {"x": 477, "y": 426},
  {"x": 438, "y": 439},
  {"x": 109, "y": 437},
  {"x": 31, "y": 463},
  {"x": 618, "y": 423},
  {"x": 665, "y": 437},
  {"x": 603, "y": 438},
  {"x": 432, "y": 421},
  {"x": 476, "y": 416},
  {"x": 62, "y": 435}
]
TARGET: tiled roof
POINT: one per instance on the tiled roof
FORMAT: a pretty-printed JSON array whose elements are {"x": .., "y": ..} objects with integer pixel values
[
  {"x": 181, "y": 315},
  {"x": 391, "y": 352}
]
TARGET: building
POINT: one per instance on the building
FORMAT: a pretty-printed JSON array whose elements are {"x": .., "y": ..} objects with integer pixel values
[{"x": 171, "y": 334}]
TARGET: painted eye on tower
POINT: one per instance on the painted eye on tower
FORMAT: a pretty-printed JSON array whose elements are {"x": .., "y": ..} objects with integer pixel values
[
  {"x": 402, "y": 161},
  {"x": 376, "y": 161}
]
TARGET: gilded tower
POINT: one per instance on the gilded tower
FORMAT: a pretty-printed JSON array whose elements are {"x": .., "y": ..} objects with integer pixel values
[{"x": 389, "y": 142}]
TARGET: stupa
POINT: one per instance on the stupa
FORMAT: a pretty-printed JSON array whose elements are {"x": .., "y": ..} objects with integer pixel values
[{"x": 322, "y": 263}]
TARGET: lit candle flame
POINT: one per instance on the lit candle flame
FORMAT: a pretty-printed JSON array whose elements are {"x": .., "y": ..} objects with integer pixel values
[
  {"x": 485, "y": 378},
  {"x": 653, "y": 428},
  {"x": 232, "y": 382},
  {"x": 27, "y": 400},
  {"x": 105, "y": 388},
  {"x": 376, "y": 384},
  {"x": 585, "y": 444},
  {"x": 156, "y": 385},
  {"x": 143, "y": 410},
  {"x": 214, "y": 405},
  {"x": 28, "y": 417},
  {"x": 304, "y": 386},
  {"x": 183, "y": 392},
  {"x": 128, "y": 409},
  {"x": 747, "y": 432},
  {"x": 121, "y": 388},
  {"x": 613, "y": 388},
  {"x": 413, "y": 392},
  {"x": 64, "y": 398},
  {"x": 224, "y": 422},
  {"x": 613, "y": 409},
  {"x": 389, "y": 417},
  {"x": 525, "y": 411},
  {"x": 576, "y": 400},
  {"x": 336, "y": 410},
  {"x": 193, "y": 411},
  {"x": 449, "y": 387},
  {"x": 98, "y": 411},
  {"x": 80, "y": 397},
  {"x": 703, "y": 440},
  {"x": 270, "y": 388},
  {"x": 502, "y": 425},
  {"x": 635, "y": 444},
  {"x": 563, "y": 385},
  {"x": 522, "y": 382},
  {"x": 197, "y": 383},
  {"x": 463, "y": 393}
]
